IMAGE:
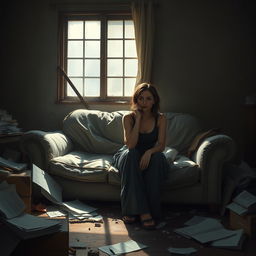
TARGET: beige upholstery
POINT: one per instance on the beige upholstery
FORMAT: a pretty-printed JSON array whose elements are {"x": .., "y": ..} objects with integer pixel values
[{"x": 79, "y": 157}]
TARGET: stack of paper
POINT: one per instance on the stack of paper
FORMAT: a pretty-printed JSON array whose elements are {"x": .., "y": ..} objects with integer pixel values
[
  {"x": 17, "y": 167},
  {"x": 53, "y": 192},
  {"x": 209, "y": 230},
  {"x": 243, "y": 203},
  {"x": 24, "y": 225},
  {"x": 28, "y": 226}
]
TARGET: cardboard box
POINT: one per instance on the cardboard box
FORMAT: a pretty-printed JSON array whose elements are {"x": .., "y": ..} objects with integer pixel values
[{"x": 246, "y": 222}]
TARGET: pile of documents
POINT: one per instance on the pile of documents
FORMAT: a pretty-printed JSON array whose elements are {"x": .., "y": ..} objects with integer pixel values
[
  {"x": 211, "y": 231},
  {"x": 7, "y": 124},
  {"x": 244, "y": 203},
  {"x": 77, "y": 210},
  {"x": 23, "y": 225},
  {"x": 11, "y": 165}
]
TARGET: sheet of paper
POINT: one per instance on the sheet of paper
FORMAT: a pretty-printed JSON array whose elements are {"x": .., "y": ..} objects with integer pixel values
[
  {"x": 245, "y": 199},
  {"x": 202, "y": 227},
  {"x": 213, "y": 235},
  {"x": 183, "y": 251},
  {"x": 30, "y": 222},
  {"x": 195, "y": 220},
  {"x": 240, "y": 210},
  {"x": 53, "y": 212},
  {"x": 78, "y": 207},
  {"x": 124, "y": 247},
  {"x": 77, "y": 244},
  {"x": 230, "y": 242},
  {"x": 48, "y": 184},
  {"x": 11, "y": 204}
]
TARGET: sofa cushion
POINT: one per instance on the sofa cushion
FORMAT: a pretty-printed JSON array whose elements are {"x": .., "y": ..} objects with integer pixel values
[
  {"x": 81, "y": 166},
  {"x": 95, "y": 131},
  {"x": 183, "y": 172}
]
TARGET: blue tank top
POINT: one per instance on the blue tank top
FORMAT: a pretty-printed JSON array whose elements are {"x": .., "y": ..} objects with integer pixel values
[{"x": 147, "y": 140}]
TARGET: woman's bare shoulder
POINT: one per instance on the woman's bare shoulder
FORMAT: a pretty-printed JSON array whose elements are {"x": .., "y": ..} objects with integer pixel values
[{"x": 128, "y": 117}]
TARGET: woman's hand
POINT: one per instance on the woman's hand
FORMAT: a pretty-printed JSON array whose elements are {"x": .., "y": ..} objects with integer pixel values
[
  {"x": 144, "y": 161},
  {"x": 137, "y": 114}
]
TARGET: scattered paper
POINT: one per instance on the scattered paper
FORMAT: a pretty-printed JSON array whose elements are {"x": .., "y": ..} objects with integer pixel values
[
  {"x": 78, "y": 207},
  {"x": 48, "y": 184},
  {"x": 124, "y": 247}
]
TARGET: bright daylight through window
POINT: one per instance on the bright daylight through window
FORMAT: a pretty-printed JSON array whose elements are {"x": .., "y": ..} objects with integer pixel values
[{"x": 100, "y": 57}]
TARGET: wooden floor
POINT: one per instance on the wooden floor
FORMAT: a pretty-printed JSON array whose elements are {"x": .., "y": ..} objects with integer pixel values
[{"x": 113, "y": 230}]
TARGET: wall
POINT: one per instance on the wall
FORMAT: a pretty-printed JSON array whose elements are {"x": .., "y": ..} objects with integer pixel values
[{"x": 204, "y": 62}]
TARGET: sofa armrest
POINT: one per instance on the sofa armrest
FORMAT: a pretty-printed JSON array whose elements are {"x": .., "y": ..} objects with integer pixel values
[
  {"x": 211, "y": 155},
  {"x": 42, "y": 146}
]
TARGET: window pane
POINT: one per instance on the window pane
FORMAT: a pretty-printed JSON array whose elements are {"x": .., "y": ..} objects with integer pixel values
[
  {"x": 92, "y": 68},
  {"x": 75, "y": 67},
  {"x": 92, "y": 87},
  {"x": 131, "y": 67},
  {"x": 130, "y": 48},
  {"x": 78, "y": 82},
  {"x": 129, "y": 29},
  {"x": 129, "y": 84},
  {"x": 92, "y": 49},
  {"x": 75, "y": 29},
  {"x": 115, "y": 67},
  {"x": 115, "y": 48},
  {"x": 92, "y": 29},
  {"x": 115, "y": 87},
  {"x": 115, "y": 29},
  {"x": 75, "y": 49}
]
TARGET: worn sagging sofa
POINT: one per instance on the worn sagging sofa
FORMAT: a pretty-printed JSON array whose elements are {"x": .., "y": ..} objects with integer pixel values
[{"x": 79, "y": 157}]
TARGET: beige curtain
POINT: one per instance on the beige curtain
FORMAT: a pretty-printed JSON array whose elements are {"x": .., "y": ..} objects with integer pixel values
[{"x": 142, "y": 14}]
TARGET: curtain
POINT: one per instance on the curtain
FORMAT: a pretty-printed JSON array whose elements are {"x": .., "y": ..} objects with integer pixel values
[{"x": 142, "y": 14}]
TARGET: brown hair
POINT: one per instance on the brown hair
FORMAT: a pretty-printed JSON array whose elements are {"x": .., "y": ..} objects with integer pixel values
[{"x": 146, "y": 87}]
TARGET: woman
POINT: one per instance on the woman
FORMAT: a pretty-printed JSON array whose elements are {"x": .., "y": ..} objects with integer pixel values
[{"x": 142, "y": 165}]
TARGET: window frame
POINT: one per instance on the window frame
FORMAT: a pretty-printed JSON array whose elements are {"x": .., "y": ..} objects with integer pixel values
[{"x": 62, "y": 84}]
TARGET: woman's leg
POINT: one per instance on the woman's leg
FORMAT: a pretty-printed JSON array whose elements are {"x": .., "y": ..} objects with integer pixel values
[
  {"x": 133, "y": 191},
  {"x": 154, "y": 175}
]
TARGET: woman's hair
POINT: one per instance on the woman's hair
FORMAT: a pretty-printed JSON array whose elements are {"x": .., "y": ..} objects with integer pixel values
[{"x": 146, "y": 87}]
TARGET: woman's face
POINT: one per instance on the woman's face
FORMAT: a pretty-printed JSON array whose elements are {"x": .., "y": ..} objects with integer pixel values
[{"x": 145, "y": 101}]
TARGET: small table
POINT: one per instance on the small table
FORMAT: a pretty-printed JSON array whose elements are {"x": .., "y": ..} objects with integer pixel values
[{"x": 23, "y": 186}]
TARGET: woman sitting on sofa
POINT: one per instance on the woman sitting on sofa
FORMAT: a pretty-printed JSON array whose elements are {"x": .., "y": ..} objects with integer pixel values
[{"x": 142, "y": 165}]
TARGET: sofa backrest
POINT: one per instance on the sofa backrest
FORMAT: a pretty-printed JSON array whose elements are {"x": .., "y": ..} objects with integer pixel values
[
  {"x": 181, "y": 130},
  {"x": 101, "y": 132}
]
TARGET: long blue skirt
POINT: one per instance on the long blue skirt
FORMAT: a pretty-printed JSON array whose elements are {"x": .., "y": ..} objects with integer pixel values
[{"x": 140, "y": 189}]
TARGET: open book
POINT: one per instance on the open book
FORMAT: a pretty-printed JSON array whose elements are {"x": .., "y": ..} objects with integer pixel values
[{"x": 243, "y": 203}]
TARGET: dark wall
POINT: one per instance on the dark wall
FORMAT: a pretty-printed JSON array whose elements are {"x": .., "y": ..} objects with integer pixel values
[{"x": 204, "y": 62}]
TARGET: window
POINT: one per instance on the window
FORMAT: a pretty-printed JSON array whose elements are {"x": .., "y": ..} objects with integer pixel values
[{"x": 98, "y": 53}]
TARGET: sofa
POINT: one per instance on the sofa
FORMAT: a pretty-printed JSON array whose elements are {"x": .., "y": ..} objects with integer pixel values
[{"x": 79, "y": 157}]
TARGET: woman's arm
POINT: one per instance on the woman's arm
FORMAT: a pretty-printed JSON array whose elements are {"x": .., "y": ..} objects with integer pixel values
[
  {"x": 131, "y": 129},
  {"x": 159, "y": 146}
]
